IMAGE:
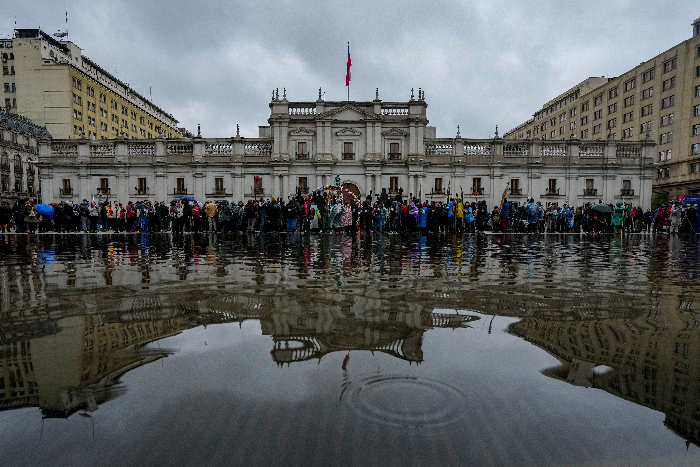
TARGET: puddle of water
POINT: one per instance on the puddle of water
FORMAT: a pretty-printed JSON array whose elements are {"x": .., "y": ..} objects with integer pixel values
[{"x": 391, "y": 350}]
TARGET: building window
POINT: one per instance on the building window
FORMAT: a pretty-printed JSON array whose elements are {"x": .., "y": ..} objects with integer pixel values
[
  {"x": 629, "y": 100},
  {"x": 584, "y": 120},
  {"x": 257, "y": 185},
  {"x": 515, "y": 186},
  {"x": 180, "y": 187},
  {"x": 552, "y": 187},
  {"x": 668, "y": 102},
  {"x": 648, "y": 75},
  {"x": 573, "y": 111},
  {"x": 598, "y": 100},
  {"x": 572, "y": 125},
  {"x": 561, "y": 130},
  {"x": 142, "y": 189},
  {"x": 584, "y": 134},
  {"x": 348, "y": 153},
  {"x": 302, "y": 185},
  {"x": 553, "y": 134},
  {"x": 693, "y": 168},
  {"x": 696, "y": 110},
  {"x": 647, "y": 110},
  {"x": 612, "y": 108},
  {"x": 597, "y": 128},
  {"x": 696, "y": 129},
  {"x": 477, "y": 189},
  {"x": 627, "y": 133},
  {"x": 562, "y": 117},
  {"x": 694, "y": 148},
  {"x": 669, "y": 83},
  {"x": 104, "y": 186},
  {"x": 584, "y": 107},
  {"x": 612, "y": 123},
  {"x": 66, "y": 190},
  {"x": 394, "y": 151},
  {"x": 219, "y": 186},
  {"x": 648, "y": 92},
  {"x": 438, "y": 185},
  {"x": 670, "y": 65},
  {"x": 630, "y": 84},
  {"x": 645, "y": 127},
  {"x": 598, "y": 114},
  {"x": 612, "y": 93},
  {"x": 628, "y": 117},
  {"x": 393, "y": 184},
  {"x": 697, "y": 72}
]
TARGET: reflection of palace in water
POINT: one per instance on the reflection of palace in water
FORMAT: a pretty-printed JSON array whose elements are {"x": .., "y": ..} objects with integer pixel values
[
  {"x": 649, "y": 360},
  {"x": 70, "y": 358}
]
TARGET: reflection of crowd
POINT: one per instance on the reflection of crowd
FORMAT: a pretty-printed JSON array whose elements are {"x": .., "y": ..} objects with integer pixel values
[{"x": 329, "y": 211}]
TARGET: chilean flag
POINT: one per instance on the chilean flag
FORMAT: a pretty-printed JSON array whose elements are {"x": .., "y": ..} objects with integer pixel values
[{"x": 347, "y": 75}]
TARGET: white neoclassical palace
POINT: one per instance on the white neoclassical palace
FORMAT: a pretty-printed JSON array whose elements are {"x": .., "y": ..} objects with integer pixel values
[{"x": 372, "y": 146}]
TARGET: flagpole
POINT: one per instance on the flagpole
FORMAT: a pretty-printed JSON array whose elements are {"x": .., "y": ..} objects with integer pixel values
[{"x": 348, "y": 73}]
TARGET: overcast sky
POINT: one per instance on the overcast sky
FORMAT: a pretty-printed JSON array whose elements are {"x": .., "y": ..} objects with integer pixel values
[{"x": 480, "y": 63}]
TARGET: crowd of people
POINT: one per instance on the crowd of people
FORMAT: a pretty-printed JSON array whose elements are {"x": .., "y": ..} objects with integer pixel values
[{"x": 330, "y": 211}]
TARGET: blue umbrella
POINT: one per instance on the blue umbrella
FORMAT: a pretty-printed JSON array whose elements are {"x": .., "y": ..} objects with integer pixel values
[
  {"x": 187, "y": 198},
  {"x": 44, "y": 209}
]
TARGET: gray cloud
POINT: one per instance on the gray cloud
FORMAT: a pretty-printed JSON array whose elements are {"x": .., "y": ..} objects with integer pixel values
[{"x": 480, "y": 63}]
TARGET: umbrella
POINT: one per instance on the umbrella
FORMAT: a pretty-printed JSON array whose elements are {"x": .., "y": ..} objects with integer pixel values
[
  {"x": 603, "y": 208},
  {"x": 187, "y": 198},
  {"x": 44, "y": 209}
]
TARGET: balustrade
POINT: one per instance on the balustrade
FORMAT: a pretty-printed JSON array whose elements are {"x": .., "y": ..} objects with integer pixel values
[
  {"x": 552, "y": 192},
  {"x": 179, "y": 149},
  {"x": 257, "y": 148},
  {"x": 515, "y": 191},
  {"x": 626, "y": 192},
  {"x": 556, "y": 150},
  {"x": 592, "y": 150},
  {"x": 403, "y": 110},
  {"x": 628, "y": 151},
  {"x": 102, "y": 150},
  {"x": 65, "y": 191},
  {"x": 218, "y": 149},
  {"x": 439, "y": 149},
  {"x": 302, "y": 156},
  {"x": 590, "y": 192},
  {"x": 348, "y": 156},
  {"x": 516, "y": 150},
  {"x": 302, "y": 109},
  {"x": 64, "y": 150},
  {"x": 471, "y": 149},
  {"x": 141, "y": 149}
]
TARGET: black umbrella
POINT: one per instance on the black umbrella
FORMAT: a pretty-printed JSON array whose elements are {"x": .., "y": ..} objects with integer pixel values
[{"x": 603, "y": 208}]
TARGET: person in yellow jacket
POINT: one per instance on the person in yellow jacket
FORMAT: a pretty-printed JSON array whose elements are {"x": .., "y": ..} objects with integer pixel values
[
  {"x": 460, "y": 214},
  {"x": 210, "y": 211}
]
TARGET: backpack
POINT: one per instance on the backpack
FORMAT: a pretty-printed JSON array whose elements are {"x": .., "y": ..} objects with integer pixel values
[{"x": 195, "y": 210}]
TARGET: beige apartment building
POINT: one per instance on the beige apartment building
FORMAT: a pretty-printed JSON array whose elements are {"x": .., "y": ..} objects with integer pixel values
[
  {"x": 55, "y": 86},
  {"x": 659, "y": 97}
]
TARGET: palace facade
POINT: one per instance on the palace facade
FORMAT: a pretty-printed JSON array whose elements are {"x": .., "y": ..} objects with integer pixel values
[{"x": 372, "y": 145}]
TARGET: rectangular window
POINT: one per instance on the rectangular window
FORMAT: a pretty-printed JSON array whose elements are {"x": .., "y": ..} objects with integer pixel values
[
  {"x": 612, "y": 123},
  {"x": 647, "y": 109},
  {"x": 648, "y": 92},
  {"x": 668, "y": 102},
  {"x": 552, "y": 187},
  {"x": 104, "y": 186},
  {"x": 696, "y": 129},
  {"x": 694, "y": 148},
  {"x": 629, "y": 100},
  {"x": 438, "y": 185},
  {"x": 628, "y": 117},
  {"x": 696, "y": 111},
  {"x": 598, "y": 114},
  {"x": 627, "y": 133},
  {"x": 584, "y": 134},
  {"x": 348, "y": 154},
  {"x": 393, "y": 184},
  {"x": 584, "y": 120},
  {"x": 573, "y": 111},
  {"x": 693, "y": 168},
  {"x": 669, "y": 83},
  {"x": 590, "y": 184},
  {"x": 303, "y": 185},
  {"x": 648, "y": 76},
  {"x": 180, "y": 190},
  {"x": 301, "y": 150},
  {"x": 477, "y": 189},
  {"x": 561, "y": 130},
  {"x": 515, "y": 186},
  {"x": 219, "y": 186},
  {"x": 66, "y": 190},
  {"x": 584, "y": 107},
  {"x": 598, "y": 100},
  {"x": 627, "y": 185},
  {"x": 697, "y": 72},
  {"x": 670, "y": 65},
  {"x": 142, "y": 189},
  {"x": 612, "y": 93},
  {"x": 630, "y": 84},
  {"x": 394, "y": 151},
  {"x": 612, "y": 108},
  {"x": 572, "y": 125},
  {"x": 597, "y": 128},
  {"x": 645, "y": 127}
]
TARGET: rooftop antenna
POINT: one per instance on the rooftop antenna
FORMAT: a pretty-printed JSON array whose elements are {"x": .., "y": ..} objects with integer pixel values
[{"x": 60, "y": 34}]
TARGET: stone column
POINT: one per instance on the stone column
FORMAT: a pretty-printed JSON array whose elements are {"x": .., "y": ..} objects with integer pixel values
[
  {"x": 378, "y": 183},
  {"x": 285, "y": 187},
  {"x": 275, "y": 185},
  {"x": 368, "y": 183}
]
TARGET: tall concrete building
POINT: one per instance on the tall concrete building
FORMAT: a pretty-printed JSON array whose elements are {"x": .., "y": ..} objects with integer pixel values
[
  {"x": 54, "y": 85},
  {"x": 660, "y": 96}
]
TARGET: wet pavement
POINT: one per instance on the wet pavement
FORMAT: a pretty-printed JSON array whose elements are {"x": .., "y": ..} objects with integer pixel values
[{"x": 335, "y": 350}]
